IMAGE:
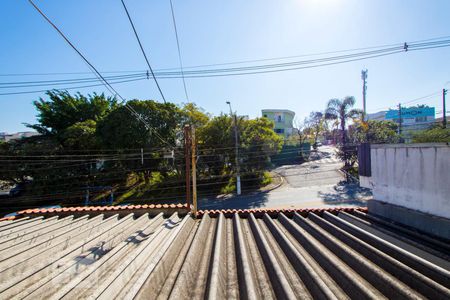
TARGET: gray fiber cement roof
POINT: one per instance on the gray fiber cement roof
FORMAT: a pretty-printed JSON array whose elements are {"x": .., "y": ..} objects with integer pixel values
[{"x": 310, "y": 255}]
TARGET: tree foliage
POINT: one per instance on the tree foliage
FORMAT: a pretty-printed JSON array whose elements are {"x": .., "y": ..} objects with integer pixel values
[
  {"x": 63, "y": 110},
  {"x": 257, "y": 142},
  {"x": 316, "y": 125},
  {"x": 342, "y": 110},
  {"x": 81, "y": 135},
  {"x": 193, "y": 115},
  {"x": 122, "y": 130},
  {"x": 300, "y": 133},
  {"x": 109, "y": 138},
  {"x": 375, "y": 132},
  {"x": 436, "y": 134}
]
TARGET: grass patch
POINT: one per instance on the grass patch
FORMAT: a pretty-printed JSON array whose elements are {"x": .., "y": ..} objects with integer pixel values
[
  {"x": 230, "y": 187},
  {"x": 266, "y": 178}
]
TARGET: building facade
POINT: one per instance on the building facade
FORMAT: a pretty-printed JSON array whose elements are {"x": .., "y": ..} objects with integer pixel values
[
  {"x": 378, "y": 116},
  {"x": 6, "y": 137},
  {"x": 412, "y": 118},
  {"x": 283, "y": 119}
]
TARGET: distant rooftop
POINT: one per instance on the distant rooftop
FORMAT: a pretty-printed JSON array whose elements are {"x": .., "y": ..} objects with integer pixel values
[
  {"x": 278, "y": 110},
  {"x": 17, "y": 135}
]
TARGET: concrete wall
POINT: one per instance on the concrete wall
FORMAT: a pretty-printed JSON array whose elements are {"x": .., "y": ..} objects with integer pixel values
[{"x": 415, "y": 176}]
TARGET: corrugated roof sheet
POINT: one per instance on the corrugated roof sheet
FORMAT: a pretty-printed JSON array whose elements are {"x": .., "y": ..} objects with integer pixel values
[{"x": 225, "y": 254}]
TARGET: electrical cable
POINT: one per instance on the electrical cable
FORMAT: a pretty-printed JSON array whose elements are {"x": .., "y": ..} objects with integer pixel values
[
  {"x": 69, "y": 88},
  {"x": 239, "y": 62},
  {"x": 143, "y": 51},
  {"x": 179, "y": 51},
  {"x": 97, "y": 73},
  {"x": 274, "y": 68},
  {"x": 6, "y": 85}
]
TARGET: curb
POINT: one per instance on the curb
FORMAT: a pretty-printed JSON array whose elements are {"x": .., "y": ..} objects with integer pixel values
[
  {"x": 276, "y": 186},
  {"x": 226, "y": 196}
]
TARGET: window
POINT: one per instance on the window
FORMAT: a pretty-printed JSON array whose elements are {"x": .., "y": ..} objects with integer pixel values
[
  {"x": 265, "y": 116},
  {"x": 279, "y": 130},
  {"x": 279, "y": 119},
  {"x": 421, "y": 119}
]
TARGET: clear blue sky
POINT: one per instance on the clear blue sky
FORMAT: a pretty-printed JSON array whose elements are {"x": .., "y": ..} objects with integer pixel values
[{"x": 224, "y": 31}]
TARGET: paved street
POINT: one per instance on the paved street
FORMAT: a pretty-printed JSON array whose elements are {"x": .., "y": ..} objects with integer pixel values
[{"x": 317, "y": 183}]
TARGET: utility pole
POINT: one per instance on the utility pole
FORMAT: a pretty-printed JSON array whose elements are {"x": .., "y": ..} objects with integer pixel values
[
  {"x": 444, "y": 115},
  {"x": 142, "y": 156},
  {"x": 86, "y": 198},
  {"x": 364, "y": 78},
  {"x": 187, "y": 156},
  {"x": 400, "y": 119},
  {"x": 194, "y": 170},
  {"x": 238, "y": 176}
]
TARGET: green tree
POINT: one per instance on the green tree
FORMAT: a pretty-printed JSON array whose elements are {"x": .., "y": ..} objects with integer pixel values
[
  {"x": 342, "y": 110},
  {"x": 316, "y": 125},
  {"x": 216, "y": 141},
  {"x": 122, "y": 130},
  {"x": 63, "y": 110},
  {"x": 193, "y": 115},
  {"x": 81, "y": 135},
  {"x": 375, "y": 132},
  {"x": 436, "y": 134},
  {"x": 257, "y": 142},
  {"x": 300, "y": 132}
]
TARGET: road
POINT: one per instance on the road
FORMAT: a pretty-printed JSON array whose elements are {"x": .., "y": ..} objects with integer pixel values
[{"x": 317, "y": 183}]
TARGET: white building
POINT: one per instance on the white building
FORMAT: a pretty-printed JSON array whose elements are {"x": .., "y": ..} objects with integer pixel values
[{"x": 6, "y": 137}]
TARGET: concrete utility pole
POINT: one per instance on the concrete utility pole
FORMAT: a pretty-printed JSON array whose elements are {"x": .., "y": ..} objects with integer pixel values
[
  {"x": 444, "y": 115},
  {"x": 364, "y": 78},
  {"x": 238, "y": 176},
  {"x": 400, "y": 119}
]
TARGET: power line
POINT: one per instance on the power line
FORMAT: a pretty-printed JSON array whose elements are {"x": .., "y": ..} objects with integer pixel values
[
  {"x": 179, "y": 51},
  {"x": 368, "y": 54},
  {"x": 410, "y": 101},
  {"x": 97, "y": 73},
  {"x": 7, "y": 85},
  {"x": 143, "y": 52},
  {"x": 314, "y": 63},
  {"x": 235, "y": 62},
  {"x": 293, "y": 65},
  {"x": 70, "y": 88},
  {"x": 270, "y": 68}
]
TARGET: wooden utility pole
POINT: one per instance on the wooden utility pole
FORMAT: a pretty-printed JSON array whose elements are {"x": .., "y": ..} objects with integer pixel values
[
  {"x": 194, "y": 170},
  {"x": 444, "y": 115},
  {"x": 400, "y": 119},
  {"x": 187, "y": 156}
]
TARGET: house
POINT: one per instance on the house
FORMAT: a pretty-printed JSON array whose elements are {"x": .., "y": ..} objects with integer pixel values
[
  {"x": 283, "y": 119},
  {"x": 6, "y": 137}
]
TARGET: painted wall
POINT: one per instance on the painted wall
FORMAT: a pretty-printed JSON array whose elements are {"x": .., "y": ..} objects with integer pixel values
[
  {"x": 283, "y": 120},
  {"x": 411, "y": 113},
  {"x": 416, "y": 176}
]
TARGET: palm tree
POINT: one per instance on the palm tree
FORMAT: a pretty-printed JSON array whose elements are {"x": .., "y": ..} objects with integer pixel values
[{"x": 341, "y": 110}]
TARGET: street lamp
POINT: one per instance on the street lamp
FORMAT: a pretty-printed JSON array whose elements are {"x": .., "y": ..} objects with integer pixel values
[{"x": 238, "y": 176}]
